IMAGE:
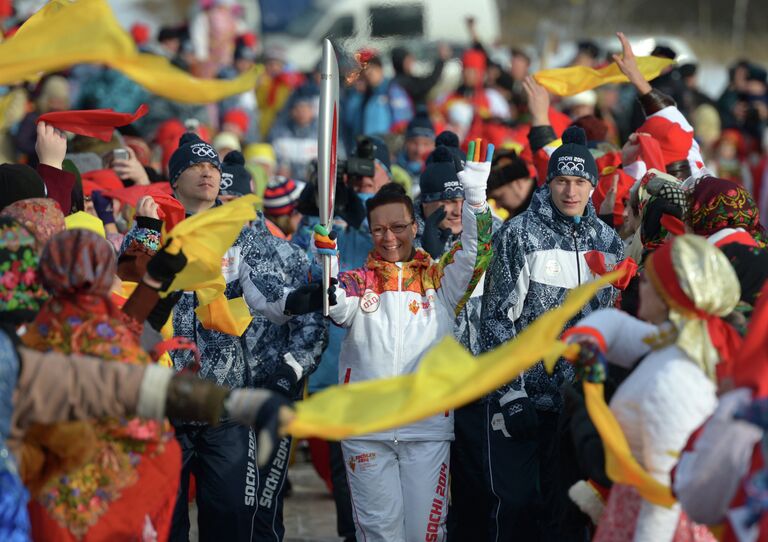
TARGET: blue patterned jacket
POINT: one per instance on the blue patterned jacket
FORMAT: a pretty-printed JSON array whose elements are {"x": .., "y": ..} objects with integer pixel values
[
  {"x": 467, "y": 329},
  {"x": 303, "y": 337},
  {"x": 252, "y": 268},
  {"x": 354, "y": 245},
  {"x": 537, "y": 257}
]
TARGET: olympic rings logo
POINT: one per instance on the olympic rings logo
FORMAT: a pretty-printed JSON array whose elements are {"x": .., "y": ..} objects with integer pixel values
[
  {"x": 204, "y": 151},
  {"x": 227, "y": 180}
]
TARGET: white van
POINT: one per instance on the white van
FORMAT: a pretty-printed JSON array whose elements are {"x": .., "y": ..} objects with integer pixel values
[{"x": 382, "y": 24}]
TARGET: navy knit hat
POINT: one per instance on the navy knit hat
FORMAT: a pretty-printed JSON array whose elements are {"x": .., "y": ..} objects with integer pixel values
[
  {"x": 420, "y": 126},
  {"x": 573, "y": 158},
  {"x": 192, "y": 150},
  {"x": 235, "y": 179},
  {"x": 439, "y": 180},
  {"x": 450, "y": 140}
]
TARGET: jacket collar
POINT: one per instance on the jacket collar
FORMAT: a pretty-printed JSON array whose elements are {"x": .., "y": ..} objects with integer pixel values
[
  {"x": 543, "y": 206},
  {"x": 420, "y": 260}
]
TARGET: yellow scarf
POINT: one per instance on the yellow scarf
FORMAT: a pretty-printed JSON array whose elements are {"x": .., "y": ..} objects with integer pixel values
[
  {"x": 575, "y": 79},
  {"x": 65, "y": 33},
  {"x": 447, "y": 377},
  {"x": 205, "y": 238}
]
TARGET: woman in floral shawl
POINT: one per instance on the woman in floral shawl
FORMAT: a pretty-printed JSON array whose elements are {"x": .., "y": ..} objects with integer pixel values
[{"x": 127, "y": 487}]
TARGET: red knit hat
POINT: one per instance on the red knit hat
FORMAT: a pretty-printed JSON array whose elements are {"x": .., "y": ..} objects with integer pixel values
[
  {"x": 281, "y": 196},
  {"x": 474, "y": 59},
  {"x": 238, "y": 117}
]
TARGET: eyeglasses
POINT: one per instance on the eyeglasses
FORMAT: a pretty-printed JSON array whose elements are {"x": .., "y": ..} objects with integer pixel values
[{"x": 381, "y": 231}]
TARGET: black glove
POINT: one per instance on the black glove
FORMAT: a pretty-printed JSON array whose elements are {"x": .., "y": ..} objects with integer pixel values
[
  {"x": 283, "y": 380},
  {"x": 353, "y": 211},
  {"x": 309, "y": 298},
  {"x": 259, "y": 409},
  {"x": 434, "y": 237},
  {"x": 164, "y": 266},
  {"x": 520, "y": 419},
  {"x": 162, "y": 310}
]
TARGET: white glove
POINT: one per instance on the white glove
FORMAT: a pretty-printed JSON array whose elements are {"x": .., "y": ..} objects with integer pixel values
[{"x": 474, "y": 179}]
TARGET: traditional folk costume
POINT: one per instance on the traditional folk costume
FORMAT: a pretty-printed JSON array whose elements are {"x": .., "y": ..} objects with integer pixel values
[
  {"x": 127, "y": 488},
  {"x": 672, "y": 390}
]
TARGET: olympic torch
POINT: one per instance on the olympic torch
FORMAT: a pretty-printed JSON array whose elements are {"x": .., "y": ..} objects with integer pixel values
[{"x": 327, "y": 137}]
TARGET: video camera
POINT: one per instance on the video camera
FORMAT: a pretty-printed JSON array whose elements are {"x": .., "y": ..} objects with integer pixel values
[{"x": 360, "y": 164}]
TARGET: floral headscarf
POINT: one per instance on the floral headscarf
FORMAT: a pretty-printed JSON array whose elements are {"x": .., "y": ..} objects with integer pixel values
[
  {"x": 77, "y": 268},
  {"x": 719, "y": 203},
  {"x": 42, "y": 217},
  {"x": 21, "y": 293}
]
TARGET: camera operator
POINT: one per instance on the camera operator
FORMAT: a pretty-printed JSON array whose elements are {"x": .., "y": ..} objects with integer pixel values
[{"x": 358, "y": 179}]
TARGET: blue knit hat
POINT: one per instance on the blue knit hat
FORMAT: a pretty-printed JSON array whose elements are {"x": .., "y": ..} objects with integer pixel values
[
  {"x": 192, "y": 150},
  {"x": 420, "y": 126},
  {"x": 439, "y": 180},
  {"x": 572, "y": 158}
]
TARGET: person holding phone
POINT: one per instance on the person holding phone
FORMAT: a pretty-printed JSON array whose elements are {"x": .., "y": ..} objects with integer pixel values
[{"x": 124, "y": 162}]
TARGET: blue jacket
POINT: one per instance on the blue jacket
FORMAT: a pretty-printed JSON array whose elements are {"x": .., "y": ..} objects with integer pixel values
[
  {"x": 303, "y": 337},
  {"x": 539, "y": 256},
  {"x": 14, "y": 521},
  {"x": 354, "y": 246},
  {"x": 375, "y": 113},
  {"x": 295, "y": 146}
]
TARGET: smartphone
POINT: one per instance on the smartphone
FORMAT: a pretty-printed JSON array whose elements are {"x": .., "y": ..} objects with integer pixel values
[{"x": 120, "y": 154}]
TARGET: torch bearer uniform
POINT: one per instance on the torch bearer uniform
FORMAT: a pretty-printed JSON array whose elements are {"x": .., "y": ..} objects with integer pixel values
[{"x": 394, "y": 313}]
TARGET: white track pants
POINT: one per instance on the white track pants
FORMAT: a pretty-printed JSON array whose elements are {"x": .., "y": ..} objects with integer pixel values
[{"x": 399, "y": 490}]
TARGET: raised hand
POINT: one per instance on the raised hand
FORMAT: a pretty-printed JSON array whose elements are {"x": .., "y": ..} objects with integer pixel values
[
  {"x": 51, "y": 145},
  {"x": 323, "y": 243},
  {"x": 609, "y": 202},
  {"x": 309, "y": 298},
  {"x": 165, "y": 265},
  {"x": 628, "y": 65},
  {"x": 131, "y": 169},
  {"x": 538, "y": 101},
  {"x": 146, "y": 206},
  {"x": 591, "y": 364},
  {"x": 474, "y": 177}
]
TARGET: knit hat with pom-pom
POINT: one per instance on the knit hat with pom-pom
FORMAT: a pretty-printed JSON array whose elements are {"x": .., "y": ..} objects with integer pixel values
[
  {"x": 449, "y": 139},
  {"x": 439, "y": 180},
  {"x": 235, "y": 179},
  {"x": 192, "y": 150},
  {"x": 572, "y": 158}
]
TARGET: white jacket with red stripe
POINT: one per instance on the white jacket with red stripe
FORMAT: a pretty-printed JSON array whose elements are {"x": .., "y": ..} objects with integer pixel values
[{"x": 395, "y": 312}]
